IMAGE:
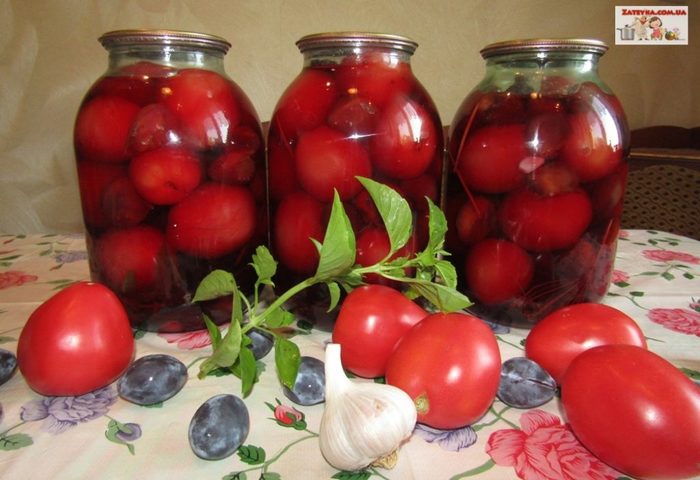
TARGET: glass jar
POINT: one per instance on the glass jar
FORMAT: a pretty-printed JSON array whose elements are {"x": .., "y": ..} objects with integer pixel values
[
  {"x": 356, "y": 109},
  {"x": 538, "y": 154},
  {"x": 171, "y": 171}
]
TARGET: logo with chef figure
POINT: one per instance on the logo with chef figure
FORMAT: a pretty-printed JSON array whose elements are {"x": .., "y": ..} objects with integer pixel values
[{"x": 651, "y": 25}]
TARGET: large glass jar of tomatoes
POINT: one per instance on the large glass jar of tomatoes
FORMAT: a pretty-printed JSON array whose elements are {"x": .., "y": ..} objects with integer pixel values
[
  {"x": 171, "y": 173},
  {"x": 538, "y": 170},
  {"x": 356, "y": 109}
]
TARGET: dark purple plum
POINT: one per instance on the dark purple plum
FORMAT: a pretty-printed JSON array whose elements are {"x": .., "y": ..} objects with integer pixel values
[
  {"x": 309, "y": 387},
  {"x": 262, "y": 342},
  {"x": 152, "y": 379},
  {"x": 219, "y": 426},
  {"x": 524, "y": 384},
  {"x": 8, "y": 364}
]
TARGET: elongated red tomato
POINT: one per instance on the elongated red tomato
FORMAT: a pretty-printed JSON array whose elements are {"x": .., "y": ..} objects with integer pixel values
[
  {"x": 75, "y": 342},
  {"x": 450, "y": 364},
  {"x": 370, "y": 322},
  {"x": 635, "y": 411},
  {"x": 565, "y": 333}
]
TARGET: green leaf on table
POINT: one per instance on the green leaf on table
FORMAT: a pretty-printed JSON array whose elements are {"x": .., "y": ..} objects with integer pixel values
[
  {"x": 214, "y": 332},
  {"x": 668, "y": 276},
  {"x": 334, "y": 293},
  {"x": 279, "y": 318},
  {"x": 689, "y": 276},
  {"x": 637, "y": 294},
  {"x": 216, "y": 284},
  {"x": 15, "y": 441},
  {"x": 251, "y": 454},
  {"x": 248, "y": 370},
  {"x": 235, "y": 476},
  {"x": 693, "y": 374},
  {"x": 265, "y": 265},
  {"x": 337, "y": 252},
  {"x": 394, "y": 210},
  {"x": 361, "y": 475},
  {"x": 270, "y": 476},
  {"x": 444, "y": 298},
  {"x": 226, "y": 353},
  {"x": 287, "y": 359}
]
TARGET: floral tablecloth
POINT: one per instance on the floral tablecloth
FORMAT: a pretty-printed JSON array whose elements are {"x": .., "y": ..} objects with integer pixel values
[{"x": 99, "y": 435}]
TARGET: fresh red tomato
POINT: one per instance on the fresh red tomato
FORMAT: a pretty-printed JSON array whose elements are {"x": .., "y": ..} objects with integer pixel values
[
  {"x": 543, "y": 223},
  {"x": 371, "y": 320},
  {"x": 129, "y": 258},
  {"x": 475, "y": 220},
  {"x": 298, "y": 219},
  {"x": 282, "y": 177},
  {"x": 75, "y": 342},
  {"x": 591, "y": 150},
  {"x": 405, "y": 141},
  {"x": 102, "y": 129},
  {"x": 377, "y": 77},
  {"x": 565, "y": 333},
  {"x": 165, "y": 176},
  {"x": 635, "y": 411},
  {"x": 326, "y": 159},
  {"x": 490, "y": 159},
  {"x": 232, "y": 166},
  {"x": 450, "y": 365},
  {"x": 93, "y": 180},
  {"x": 304, "y": 105},
  {"x": 122, "y": 205},
  {"x": 154, "y": 127},
  {"x": 354, "y": 116},
  {"x": 497, "y": 270},
  {"x": 212, "y": 221},
  {"x": 205, "y": 104}
]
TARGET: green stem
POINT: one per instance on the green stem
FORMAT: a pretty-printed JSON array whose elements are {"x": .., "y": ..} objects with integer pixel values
[
  {"x": 3, "y": 434},
  {"x": 376, "y": 472},
  {"x": 286, "y": 449},
  {"x": 501, "y": 339},
  {"x": 198, "y": 359},
  {"x": 475, "y": 471},
  {"x": 501, "y": 417},
  {"x": 256, "y": 321}
]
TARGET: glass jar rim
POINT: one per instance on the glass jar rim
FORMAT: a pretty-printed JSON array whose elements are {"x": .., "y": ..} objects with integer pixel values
[
  {"x": 356, "y": 39},
  {"x": 580, "y": 45},
  {"x": 182, "y": 38}
]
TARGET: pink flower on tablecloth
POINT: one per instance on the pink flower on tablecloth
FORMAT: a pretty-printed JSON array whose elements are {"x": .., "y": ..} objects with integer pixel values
[
  {"x": 623, "y": 234},
  {"x": 618, "y": 276},
  {"x": 677, "y": 319},
  {"x": 287, "y": 416},
  {"x": 62, "y": 413},
  {"x": 188, "y": 340},
  {"x": 545, "y": 449},
  {"x": 670, "y": 256},
  {"x": 15, "y": 278}
]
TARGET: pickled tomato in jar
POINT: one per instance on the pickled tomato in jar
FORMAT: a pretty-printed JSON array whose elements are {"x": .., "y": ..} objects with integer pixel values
[
  {"x": 538, "y": 165},
  {"x": 171, "y": 172},
  {"x": 355, "y": 110}
]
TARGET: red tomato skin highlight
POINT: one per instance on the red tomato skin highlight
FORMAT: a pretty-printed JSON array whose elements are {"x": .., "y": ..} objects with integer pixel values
[{"x": 75, "y": 342}]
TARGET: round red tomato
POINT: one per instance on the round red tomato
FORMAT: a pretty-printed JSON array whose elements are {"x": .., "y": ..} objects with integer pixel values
[
  {"x": 405, "y": 141},
  {"x": 298, "y": 219},
  {"x": 545, "y": 133},
  {"x": 497, "y": 270},
  {"x": 102, "y": 129},
  {"x": 166, "y": 175},
  {"x": 354, "y": 116},
  {"x": 565, "y": 333},
  {"x": 635, "y": 411},
  {"x": 450, "y": 365},
  {"x": 326, "y": 159},
  {"x": 371, "y": 320},
  {"x": 282, "y": 178},
  {"x": 213, "y": 221},
  {"x": 75, "y": 342},
  {"x": 490, "y": 159},
  {"x": 475, "y": 219},
  {"x": 305, "y": 103},
  {"x": 543, "y": 223},
  {"x": 205, "y": 105},
  {"x": 154, "y": 127},
  {"x": 553, "y": 178},
  {"x": 590, "y": 149},
  {"x": 122, "y": 204},
  {"x": 128, "y": 258},
  {"x": 232, "y": 166},
  {"x": 93, "y": 179},
  {"x": 376, "y": 77}
]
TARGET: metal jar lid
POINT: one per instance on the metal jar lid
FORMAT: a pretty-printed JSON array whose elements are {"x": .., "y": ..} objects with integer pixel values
[
  {"x": 356, "y": 39},
  {"x": 136, "y": 37},
  {"x": 581, "y": 45}
]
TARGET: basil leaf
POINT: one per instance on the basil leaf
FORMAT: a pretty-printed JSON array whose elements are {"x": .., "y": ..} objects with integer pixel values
[
  {"x": 279, "y": 318},
  {"x": 287, "y": 360},
  {"x": 248, "y": 369},
  {"x": 446, "y": 299},
  {"x": 437, "y": 227},
  {"x": 337, "y": 253},
  {"x": 334, "y": 291},
  {"x": 394, "y": 210},
  {"x": 214, "y": 332},
  {"x": 226, "y": 353},
  {"x": 265, "y": 265},
  {"x": 216, "y": 284},
  {"x": 447, "y": 273}
]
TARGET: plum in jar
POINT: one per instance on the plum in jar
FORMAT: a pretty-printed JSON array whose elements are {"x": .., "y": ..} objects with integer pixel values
[
  {"x": 355, "y": 109},
  {"x": 538, "y": 166},
  {"x": 171, "y": 172}
]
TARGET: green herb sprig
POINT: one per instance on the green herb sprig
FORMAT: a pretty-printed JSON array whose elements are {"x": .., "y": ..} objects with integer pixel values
[{"x": 434, "y": 279}]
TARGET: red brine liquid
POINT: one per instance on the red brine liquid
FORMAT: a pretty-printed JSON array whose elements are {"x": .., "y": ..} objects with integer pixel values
[
  {"x": 535, "y": 197},
  {"x": 350, "y": 112},
  {"x": 172, "y": 181}
]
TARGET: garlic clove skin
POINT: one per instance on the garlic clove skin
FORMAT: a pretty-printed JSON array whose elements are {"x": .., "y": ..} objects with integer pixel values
[{"x": 362, "y": 422}]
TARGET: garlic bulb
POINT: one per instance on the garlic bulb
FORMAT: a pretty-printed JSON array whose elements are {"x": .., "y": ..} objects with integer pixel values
[{"x": 363, "y": 423}]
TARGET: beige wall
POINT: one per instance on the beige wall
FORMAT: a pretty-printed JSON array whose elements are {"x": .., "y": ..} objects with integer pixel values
[{"x": 49, "y": 55}]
